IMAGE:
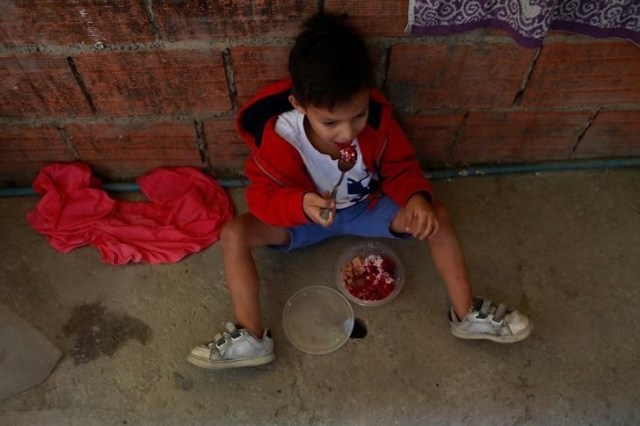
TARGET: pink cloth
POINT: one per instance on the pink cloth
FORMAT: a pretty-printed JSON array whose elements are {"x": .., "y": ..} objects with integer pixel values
[{"x": 184, "y": 214}]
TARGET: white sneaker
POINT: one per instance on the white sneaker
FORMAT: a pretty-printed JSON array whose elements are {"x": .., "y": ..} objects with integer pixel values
[
  {"x": 233, "y": 348},
  {"x": 492, "y": 322}
]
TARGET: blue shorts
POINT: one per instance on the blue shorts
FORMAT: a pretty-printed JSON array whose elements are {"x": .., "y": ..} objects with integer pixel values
[{"x": 356, "y": 220}]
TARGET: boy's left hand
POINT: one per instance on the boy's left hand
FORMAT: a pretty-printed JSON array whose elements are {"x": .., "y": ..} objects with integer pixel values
[{"x": 420, "y": 219}]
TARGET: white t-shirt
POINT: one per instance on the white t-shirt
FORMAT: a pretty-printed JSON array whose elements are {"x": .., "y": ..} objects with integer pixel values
[{"x": 323, "y": 170}]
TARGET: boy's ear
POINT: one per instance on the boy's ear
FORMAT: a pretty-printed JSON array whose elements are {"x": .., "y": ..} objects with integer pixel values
[{"x": 296, "y": 105}]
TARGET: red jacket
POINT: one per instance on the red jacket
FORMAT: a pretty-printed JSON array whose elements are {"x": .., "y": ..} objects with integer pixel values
[{"x": 277, "y": 175}]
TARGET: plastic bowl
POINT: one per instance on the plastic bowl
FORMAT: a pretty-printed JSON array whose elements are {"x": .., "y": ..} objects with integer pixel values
[
  {"x": 318, "y": 320},
  {"x": 370, "y": 290}
]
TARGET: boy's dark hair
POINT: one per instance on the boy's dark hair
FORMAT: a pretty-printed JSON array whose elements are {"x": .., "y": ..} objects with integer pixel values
[{"x": 329, "y": 62}]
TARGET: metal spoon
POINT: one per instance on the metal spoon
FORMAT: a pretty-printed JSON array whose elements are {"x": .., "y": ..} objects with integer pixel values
[{"x": 344, "y": 166}]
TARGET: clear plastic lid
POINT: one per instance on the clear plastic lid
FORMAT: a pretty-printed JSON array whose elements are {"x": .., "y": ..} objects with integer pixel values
[{"x": 318, "y": 320}]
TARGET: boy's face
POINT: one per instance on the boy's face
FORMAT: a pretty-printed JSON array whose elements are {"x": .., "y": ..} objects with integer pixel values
[{"x": 328, "y": 129}]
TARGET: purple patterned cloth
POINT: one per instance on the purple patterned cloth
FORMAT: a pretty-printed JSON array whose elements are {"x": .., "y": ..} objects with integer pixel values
[{"x": 527, "y": 20}]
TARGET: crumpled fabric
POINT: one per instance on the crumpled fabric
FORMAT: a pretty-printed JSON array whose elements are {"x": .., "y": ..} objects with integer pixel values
[{"x": 184, "y": 214}]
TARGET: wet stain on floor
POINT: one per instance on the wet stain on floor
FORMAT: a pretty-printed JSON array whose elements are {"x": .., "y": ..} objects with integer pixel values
[{"x": 97, "y": 331}]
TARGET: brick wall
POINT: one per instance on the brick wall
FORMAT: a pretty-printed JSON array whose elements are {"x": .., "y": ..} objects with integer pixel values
[{"x": 127, "y": 86}]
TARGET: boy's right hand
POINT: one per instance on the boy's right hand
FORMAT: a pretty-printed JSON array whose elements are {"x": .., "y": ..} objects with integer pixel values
[{"x": 313, "y": 203}]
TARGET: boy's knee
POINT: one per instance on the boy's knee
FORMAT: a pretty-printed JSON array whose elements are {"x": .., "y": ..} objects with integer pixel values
[{"x": 232, "y": 230}]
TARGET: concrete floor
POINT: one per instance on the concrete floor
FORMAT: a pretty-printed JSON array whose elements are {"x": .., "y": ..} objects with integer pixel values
[{"x": 562, "y": 246}]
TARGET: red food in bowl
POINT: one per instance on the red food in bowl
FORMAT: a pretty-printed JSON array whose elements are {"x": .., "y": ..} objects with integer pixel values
[{"x": 369, "y": 277}]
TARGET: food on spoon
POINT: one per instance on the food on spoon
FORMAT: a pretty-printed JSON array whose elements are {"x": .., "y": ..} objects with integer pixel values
[
  {"x": 369, "y": 277},
  {"x": 348, "y": 154},
  {"x": 346, "y": 161}
]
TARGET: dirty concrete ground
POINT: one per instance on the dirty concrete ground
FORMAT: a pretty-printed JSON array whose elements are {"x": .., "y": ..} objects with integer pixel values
[{"x": 562, "y": 246}]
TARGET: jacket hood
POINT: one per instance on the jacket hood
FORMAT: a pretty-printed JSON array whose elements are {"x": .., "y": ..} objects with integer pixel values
[{"x": 273, "y": 100}]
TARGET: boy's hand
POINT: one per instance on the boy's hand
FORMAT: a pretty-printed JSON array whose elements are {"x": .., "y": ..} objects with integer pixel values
[
  {"x": 313, "y": 203},
  {"x": 420, "y": 219}
]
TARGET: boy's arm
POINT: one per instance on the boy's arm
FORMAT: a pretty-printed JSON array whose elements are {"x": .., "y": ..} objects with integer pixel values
[{"x": 271, "y": 202}]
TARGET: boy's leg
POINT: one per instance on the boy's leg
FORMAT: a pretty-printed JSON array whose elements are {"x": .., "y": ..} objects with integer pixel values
[
  {"x": 448, "y": 259},
  {"x": 469, "y": 318},
  {"x": 249, "y": 344},
  {"x": 238, "y": 238}
]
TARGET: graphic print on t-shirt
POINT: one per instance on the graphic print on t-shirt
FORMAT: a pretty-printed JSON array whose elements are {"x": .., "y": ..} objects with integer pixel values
[{"x": 357, "y": 190}]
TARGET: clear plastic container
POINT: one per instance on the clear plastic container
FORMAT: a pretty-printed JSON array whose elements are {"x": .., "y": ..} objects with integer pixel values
[
  {"x": 368, "y": 291},
  {"x": 318, "y": 320}
]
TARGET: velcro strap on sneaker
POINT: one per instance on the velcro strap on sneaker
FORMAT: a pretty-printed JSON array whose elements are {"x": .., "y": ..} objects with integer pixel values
[
  {"x": 228, "y": 326},
  {"x": 500, "y": 313},
  {"x": 218, "y": 340},
  {"x": 486, "y": 307},
  {"x": 221, "y": 342}
]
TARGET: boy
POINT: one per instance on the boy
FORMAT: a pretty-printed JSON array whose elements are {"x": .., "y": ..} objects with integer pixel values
[{"x": 296, "y": 129}]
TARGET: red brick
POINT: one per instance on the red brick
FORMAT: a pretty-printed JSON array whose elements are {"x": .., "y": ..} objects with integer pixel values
[
  {"x": 55, "y": 22},
  {"x": 493, "y": 32},
  {"x": 256, "y": 66},
  {"x": 433, "y": 136},
  {"x": 612, "y": 134},
  {"x": 374, "y": 18},
  {"x": 594, "y": 73},
  {"x": 129, "y": 150},
  {"x": 375, "y": 53},
  {"x": 207, "y": 19},
  {"x": 427, "y": 77},
  {"x": 34, "y": 85},
  {"x": 493, "y": 137},
  {"x": 227, "y": 151},
  {"x": 24, "y": 150},
  {"x": 558, "y": 36},
  {"x": 155, "y": 82}
]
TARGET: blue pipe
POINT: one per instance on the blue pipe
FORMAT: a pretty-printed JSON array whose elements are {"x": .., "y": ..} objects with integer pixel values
[
  {"x": 535, "y": 168},
  {"x": 435, "y": 175}
]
